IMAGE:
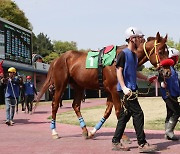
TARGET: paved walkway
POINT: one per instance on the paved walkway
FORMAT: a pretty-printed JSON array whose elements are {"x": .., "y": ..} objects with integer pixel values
[{"x": 31, "y": 135}]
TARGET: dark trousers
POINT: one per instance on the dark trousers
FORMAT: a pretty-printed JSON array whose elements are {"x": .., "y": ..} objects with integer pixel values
[
  {"x": 29, "y": 102},
  {"x": 172, "y": 108},
  {"x": 134, "y": 110}
]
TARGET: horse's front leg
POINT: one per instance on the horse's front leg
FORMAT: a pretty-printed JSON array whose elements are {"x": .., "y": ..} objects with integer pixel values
[
  {"x": 76, "y": 106},
  {"x": 109, "y": 106}
]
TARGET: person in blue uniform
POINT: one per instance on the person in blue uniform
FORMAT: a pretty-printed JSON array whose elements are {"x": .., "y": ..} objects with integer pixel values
[
  {"x": 11, "y": 95},
  {"x": 127, "y": 74},
  {"x": 170, "y": 90},
  {"x": 30, "y": 90}
]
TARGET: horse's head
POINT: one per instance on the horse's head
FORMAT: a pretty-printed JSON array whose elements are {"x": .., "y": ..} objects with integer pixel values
[
  {"x": 1, "y": 69},
  {"x": 155, "y": 50}
]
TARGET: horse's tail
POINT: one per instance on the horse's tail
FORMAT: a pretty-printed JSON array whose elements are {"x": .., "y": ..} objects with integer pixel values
[{"x": 48, "y": 82}]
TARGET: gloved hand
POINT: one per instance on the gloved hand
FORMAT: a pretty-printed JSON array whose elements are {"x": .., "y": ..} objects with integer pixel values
[
  {"x": 151, "y": 79},
  {"x": 126, "y": 90},
  {"x": 163, "y": 85}
]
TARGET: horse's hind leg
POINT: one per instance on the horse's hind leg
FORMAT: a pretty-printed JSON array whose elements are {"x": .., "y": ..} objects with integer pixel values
[
  {"x": 107, "y": 113},
  {"x": 78, "y": 95},
  {"x": 109, "y": 106},
  {"x": 55, "y": 105}
]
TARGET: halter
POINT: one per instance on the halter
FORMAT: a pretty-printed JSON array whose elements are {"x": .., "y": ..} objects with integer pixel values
[{"x": 155, "y": 50}]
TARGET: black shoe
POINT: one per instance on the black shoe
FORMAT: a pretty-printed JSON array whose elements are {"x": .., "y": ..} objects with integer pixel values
[
  {"x": 145, "y": 148},
  {"x": 173, "y": 138}
]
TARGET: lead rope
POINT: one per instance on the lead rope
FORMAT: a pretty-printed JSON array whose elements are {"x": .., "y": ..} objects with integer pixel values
[{"x": 123, "y": 100}]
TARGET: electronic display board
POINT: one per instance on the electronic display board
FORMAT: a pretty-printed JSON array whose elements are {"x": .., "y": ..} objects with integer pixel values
[{"x": 15, "y": 43}]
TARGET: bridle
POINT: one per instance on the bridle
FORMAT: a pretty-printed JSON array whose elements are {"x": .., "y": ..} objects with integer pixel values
[{"x": 158, "y": 60}]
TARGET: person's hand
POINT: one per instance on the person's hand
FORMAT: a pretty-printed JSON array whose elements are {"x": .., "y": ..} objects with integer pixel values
[
  {"x": 152, "y": 79},
  {"x": 163, "y": 85},
  {"x": 126, "y": 90},
  {"x": 35, "y": 98}
]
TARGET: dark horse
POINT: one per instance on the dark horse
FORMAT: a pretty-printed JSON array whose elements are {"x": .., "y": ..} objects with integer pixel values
[{"x": 70, "y": 68}]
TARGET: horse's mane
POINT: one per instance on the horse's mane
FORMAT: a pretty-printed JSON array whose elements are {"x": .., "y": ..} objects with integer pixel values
[{"x": 153, "y": 38}]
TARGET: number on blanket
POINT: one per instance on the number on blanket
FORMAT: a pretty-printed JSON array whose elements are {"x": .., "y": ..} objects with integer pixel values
[{"x": 91, "y": 59}]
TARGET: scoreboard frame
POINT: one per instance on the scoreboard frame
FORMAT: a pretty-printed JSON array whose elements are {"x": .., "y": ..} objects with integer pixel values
[{"x": 15, "y": 43}]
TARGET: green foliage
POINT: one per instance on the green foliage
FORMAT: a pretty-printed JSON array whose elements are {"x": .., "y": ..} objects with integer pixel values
[
  {"x": 61, "y": 47},
  {"x": 11, "y": 12},
  {"x": 173, "y": 44},
  {"x": 42, "y": 45},
  {"x": 50, "y": 57}
]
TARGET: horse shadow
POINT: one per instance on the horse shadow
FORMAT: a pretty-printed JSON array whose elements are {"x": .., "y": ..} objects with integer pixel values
[
  {"x": 40, "y": 112},
  {"x": 26, "y": 121}
]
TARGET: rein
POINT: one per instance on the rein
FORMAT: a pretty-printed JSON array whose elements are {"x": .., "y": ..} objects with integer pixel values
[
  {"x": 155, "y": 50},
  {"x": 125, "y": 97}
]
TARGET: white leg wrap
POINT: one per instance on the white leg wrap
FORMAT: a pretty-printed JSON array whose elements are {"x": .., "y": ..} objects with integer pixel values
[
  {"x": 93, "y": 131},
  {"x": 54, "y": 132}
]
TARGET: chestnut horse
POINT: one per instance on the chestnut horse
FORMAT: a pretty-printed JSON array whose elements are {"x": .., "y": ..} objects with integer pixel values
[{"x": 70, "y": 68}]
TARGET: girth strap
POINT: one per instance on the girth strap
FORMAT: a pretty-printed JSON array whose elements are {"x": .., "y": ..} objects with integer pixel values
[{"x": 100, "y": 68}]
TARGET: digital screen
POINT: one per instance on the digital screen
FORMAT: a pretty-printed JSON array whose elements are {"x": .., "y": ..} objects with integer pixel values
[{"x": 15, "y": 44}]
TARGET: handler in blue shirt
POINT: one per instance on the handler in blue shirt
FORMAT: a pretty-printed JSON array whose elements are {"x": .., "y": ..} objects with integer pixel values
[
  {"x": 11, "y": 95},
  {"x": 126, "y": 74},
  {"x": 30, "y": 90},
  {"x": 170, "y": 90}
]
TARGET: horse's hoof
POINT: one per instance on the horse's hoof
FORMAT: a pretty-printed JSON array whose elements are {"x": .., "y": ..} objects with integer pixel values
[
  {"x": 55, "y": 136},
  {"x": 126, "y": 140},
  {"x": 90, "y": 135},
  {"x": 85, "y": 135}
]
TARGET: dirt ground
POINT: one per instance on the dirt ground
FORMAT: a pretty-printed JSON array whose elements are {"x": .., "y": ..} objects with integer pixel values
[{"x": 31, "y": 134}]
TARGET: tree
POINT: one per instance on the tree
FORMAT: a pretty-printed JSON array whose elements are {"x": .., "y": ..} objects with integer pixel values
[
  {"x": 50, "y": 57},
  {"x": 173, "y": 44},
  {"x": 11, "y": 12},
  {"x": 61, "y": 47},
  {"x": 42, "y": 45}
]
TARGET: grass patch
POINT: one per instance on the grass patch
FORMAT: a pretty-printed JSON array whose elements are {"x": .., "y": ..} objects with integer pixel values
[
  {"x": 93, "y": 115},
  {"x": 2, "y": 106}
]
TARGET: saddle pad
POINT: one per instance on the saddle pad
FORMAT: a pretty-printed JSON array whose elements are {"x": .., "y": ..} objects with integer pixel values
[
  {"x": 108, "y": 49},
  {"x": 92, "y": 58}
]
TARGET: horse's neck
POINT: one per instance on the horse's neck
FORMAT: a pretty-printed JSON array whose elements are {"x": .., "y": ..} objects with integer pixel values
[
  {"x": 142, "y": 58},
  {"x": 120, "y": 48}
]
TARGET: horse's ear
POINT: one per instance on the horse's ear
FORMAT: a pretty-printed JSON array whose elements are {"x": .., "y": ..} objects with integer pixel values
[
  {"x": 165, "y": 39},
  {"x": 158, "y": 37}
]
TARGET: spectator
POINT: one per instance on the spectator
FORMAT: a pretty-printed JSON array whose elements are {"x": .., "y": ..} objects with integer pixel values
[
  {"x": 22, "y": 94},
  {"x": 11, "y": 95},
  {"x": 170, "y": 90},
  {"x": 126, "y": 74},
  {"x": 30, "y": 90}
]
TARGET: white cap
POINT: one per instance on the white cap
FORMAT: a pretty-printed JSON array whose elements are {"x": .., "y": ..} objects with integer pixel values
[
  {"x": 133, "y": 32},
  {"x": 173, "y": 52}
]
